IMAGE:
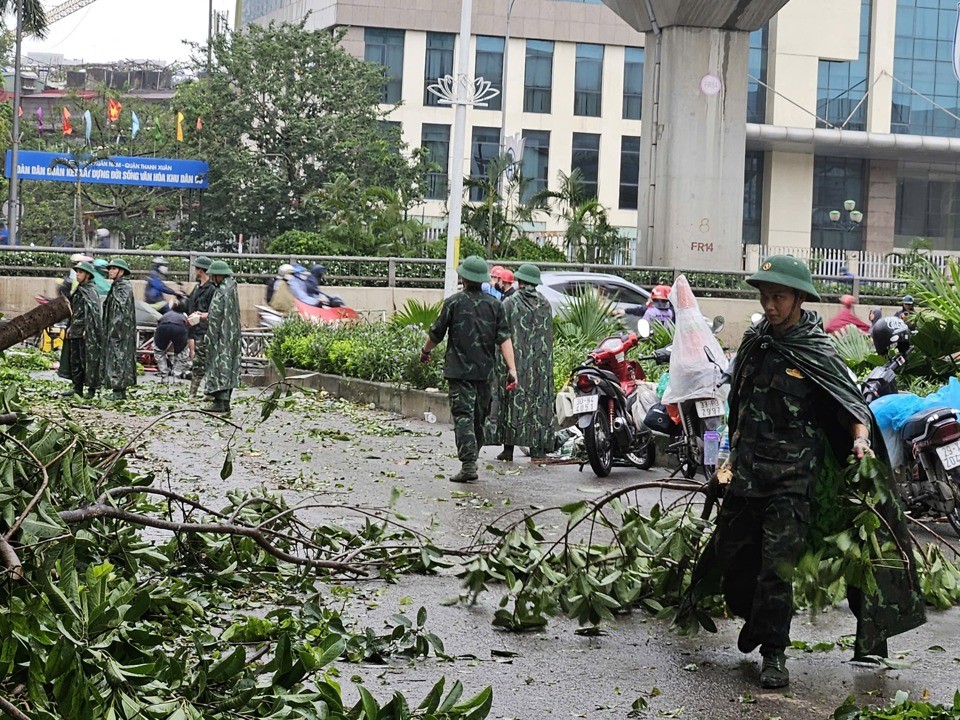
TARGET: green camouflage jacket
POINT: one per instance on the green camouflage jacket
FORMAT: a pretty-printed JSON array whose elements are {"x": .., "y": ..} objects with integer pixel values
[
  {"x": 120, "y": 336},
  {"x": 224, "y": 346},
  {"x": 475, "y": 326}
]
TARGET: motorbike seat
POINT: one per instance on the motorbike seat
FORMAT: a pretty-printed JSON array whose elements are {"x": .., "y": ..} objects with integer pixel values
[{"x": 916, "y": 425}]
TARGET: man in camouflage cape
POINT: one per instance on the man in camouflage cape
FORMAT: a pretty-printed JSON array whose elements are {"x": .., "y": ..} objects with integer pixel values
[
  {"x": 525, "y": 416},
  {"x": 792, "y": 400},
  {"x": 223, "y": 339},
  {"x": 81, "y": 356},
  {"x": 198, "y": 302},
  {"x": 119, "y": 331}
]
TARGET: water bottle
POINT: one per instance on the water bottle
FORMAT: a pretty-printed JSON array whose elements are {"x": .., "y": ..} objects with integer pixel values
[
  {"x": 711, "y": 447},
  {"x": 724, "y": 451}
]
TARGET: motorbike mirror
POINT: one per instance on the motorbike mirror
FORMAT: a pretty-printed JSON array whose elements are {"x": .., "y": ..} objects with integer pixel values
[
  {"x": 755, "y": 318},
  {"x": 643, "y": 328},
  {"x": 718, "y": 322},
  {"x": 710, "y": 356}
]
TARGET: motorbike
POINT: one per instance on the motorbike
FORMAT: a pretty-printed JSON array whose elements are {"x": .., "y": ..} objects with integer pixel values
[
  {"x": 927, "y": 461},
  {"x": 693, "y": 428},
  {"x": 608, "y": 406},
  {"x": 323, "y": 313}
]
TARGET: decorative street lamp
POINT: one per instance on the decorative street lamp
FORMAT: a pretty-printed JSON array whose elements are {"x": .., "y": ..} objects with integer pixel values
[
  {"x": 461, "y": 92},
  {"x": 852, "y": 221}
]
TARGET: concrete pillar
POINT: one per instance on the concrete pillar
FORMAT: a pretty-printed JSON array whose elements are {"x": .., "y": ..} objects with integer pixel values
[
  {"x": 883, "y": 31},
  {"x": 881, "y": 210},
  {"x": 788, "y": 200},
  {"x": 690, "y": 213}
]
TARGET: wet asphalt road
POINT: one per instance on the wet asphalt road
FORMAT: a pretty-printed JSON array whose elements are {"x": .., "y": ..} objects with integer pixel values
[{"x": 316, "y": 452}]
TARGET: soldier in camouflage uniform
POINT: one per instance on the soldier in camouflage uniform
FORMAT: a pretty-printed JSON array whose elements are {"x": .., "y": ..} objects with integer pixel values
[
  {"x": 781, "y": 412},
  {"x": 119, "y": 331},
  {"x": 223, "y": 343},
  {"x": 199, "y": 302},
  {"x": 525, "y": 416},
  {"x": 475, "y": 325},
  {"x": 81, "y": 356}
]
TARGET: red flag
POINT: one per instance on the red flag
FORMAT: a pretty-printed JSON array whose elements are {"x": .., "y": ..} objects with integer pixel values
[
  {"x": 113, "y": 110},
  {"x": 67, "y": 127},
  {"x": 199, "y": 124}
]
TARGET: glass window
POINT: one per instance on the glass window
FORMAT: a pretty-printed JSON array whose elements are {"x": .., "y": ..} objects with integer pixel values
[
  {"x": 588, "y": 80},
  {"x": 439, "y": 63},
  {"x": 586, "y": 159},
  {"x": 928, "y": 209},
  {"x": 841, "y": 86},
  {"x": 490, "y": 66},
  {"x": 629, "y": 171},
  {"x": 535, "y": 166},
  {"x": 385, "y": 47},
  {"x": 836, "y": 180},
  {"x": 538, "y": 76},
  {"x": 752, "y": 197},
  {"x": 632, "y": 83},
  {"x": 923, "y": 59},
  {"x": 757, "y": 73},
  {"x": 435, "y": 139},
  {"x": 485, "y": 147}
]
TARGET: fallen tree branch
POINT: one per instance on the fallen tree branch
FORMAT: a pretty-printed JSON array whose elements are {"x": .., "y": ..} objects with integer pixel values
[
  {"x": 93, "y": 512},
  {"x": 43, "y": 484},
  {"x": 9, "y": 558},
  {"x": 10, "y": 709}
]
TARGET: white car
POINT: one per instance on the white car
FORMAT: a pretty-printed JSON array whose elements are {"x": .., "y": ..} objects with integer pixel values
[{"x": 561, "y": 287}]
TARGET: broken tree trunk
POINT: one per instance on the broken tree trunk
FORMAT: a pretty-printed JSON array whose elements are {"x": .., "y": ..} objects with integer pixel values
[{"x": 33, "y": 322}]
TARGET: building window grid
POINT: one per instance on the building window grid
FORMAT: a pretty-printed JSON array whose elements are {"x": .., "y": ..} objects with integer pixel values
[
  {"x": 588, "y": 80},
  {"x": 633, "y": 60},
  {"x": 385, "y": 47},
  {"x": 435, "y": 139},
  {"x": 752, "y": 197},
  {"x": 438, "y": 63},
  {"x": 629, "y": 171},
  {"x": 484, "y": 148},
  {"x": 923, "y": 59},
  {"x": 535, "y": 166},
  {"x": 538, "y": 77},
  {"x": 757, "y": 68},
  {"x": 586, "y": 159},
  {"x": 489, "y": 66},
  {"x": 834, "y": 181},
  {"x": 929, "y": 209},
  {"x": 842, "y": 85}
]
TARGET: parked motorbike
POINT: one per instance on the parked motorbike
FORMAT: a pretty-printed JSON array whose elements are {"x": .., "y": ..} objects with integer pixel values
[
  {"x": 927, "y": 463},
  {"x": 608, "y": 406},
  {"x": 694, "y": 428}
]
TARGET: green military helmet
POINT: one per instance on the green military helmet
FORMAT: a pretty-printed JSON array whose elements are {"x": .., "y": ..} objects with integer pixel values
[
  {"x": 474, "y": 269},
  {"x": 788, "y": 271},
  {"x": 528, "y": 273},
  {"x": 203, "y": 262},
  {"x": 119, "y": 263},
  {"x": 86, "y": 267},
  {"x": 219, "y": 267}
]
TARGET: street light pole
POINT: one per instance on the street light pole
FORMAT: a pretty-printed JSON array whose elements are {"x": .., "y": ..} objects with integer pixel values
[
  {"x": 503, "y": 85},
  {"x": 13, "y": 200},
  {"x": 459, "y": 147}
]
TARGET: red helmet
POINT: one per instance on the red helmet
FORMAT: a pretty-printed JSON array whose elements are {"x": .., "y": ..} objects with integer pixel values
[{"x": 660, "y": 292}]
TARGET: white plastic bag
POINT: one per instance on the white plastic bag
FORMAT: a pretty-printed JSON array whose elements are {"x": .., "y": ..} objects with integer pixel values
[
  {"x": 564, "y": 406},
  {"x": 692, "y": 375}
]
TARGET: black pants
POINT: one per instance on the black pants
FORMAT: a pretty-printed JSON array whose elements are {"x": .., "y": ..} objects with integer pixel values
[{"x": 78, "y": 364}]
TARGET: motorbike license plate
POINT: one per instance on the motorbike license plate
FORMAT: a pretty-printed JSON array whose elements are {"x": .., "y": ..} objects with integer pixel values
[
  {"x": 709, "y": 408},
  {"x": 949, "y": 455},
  {"x": 585, "y": 404}
]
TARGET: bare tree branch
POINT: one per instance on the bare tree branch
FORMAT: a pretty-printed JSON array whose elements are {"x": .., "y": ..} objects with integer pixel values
[{"x": 10, "y": 709}]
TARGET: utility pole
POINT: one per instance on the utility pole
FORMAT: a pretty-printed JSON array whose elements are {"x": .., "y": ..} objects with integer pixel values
[
  {"x": 210, "y": 38},
  {"x": 13, "y": 200}
]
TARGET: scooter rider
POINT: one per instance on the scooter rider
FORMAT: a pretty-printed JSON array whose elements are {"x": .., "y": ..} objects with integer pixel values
[
  {"x": 157, "y": 287},
  {"x": 791, "y": 401}
]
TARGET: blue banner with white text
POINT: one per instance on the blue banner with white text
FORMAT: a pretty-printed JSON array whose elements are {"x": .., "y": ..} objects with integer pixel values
[{"x": 115, "y": 170}]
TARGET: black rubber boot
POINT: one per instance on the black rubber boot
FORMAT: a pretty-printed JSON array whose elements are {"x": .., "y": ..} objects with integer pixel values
[
  {"x": 507, "y": 454},
  {"x": 774, "y": 673}
]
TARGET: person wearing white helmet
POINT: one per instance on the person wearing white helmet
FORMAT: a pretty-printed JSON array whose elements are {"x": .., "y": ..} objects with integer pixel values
[
  {"x": 157, "y": 287},
  {"x": 279, "y": 295}
]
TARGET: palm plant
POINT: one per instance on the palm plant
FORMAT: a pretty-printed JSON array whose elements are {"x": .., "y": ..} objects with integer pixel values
[
  {"x": 586, "y": 320},
  {"x": 855, "y": 349},
  {"x": 416, "y": 314},
  {"x": 34, "y": 17},
  {"x": 498, "y": 215}
]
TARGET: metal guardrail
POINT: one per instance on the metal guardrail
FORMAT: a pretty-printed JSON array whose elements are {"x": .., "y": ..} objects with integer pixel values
[{"x": 392, "y": 272}]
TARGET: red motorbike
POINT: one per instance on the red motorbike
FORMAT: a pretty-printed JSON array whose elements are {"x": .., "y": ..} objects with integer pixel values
[{"x": 608, "y": 408}]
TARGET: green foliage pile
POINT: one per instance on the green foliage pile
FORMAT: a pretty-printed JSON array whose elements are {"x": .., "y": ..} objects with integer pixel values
[
  {"x": 377, "y": 351},
  {"x": 99, "y": 622},
  {"x": 417, "y": 314},
  {"x": 902, "y": 708}
]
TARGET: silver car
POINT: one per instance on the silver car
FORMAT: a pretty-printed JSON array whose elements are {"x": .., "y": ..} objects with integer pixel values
[{"x": 560, "y": 287}]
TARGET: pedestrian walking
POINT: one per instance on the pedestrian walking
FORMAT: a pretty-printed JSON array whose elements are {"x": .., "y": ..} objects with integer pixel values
[
  {"x": 846, "y": 317},
  {"x": 223, "y": 343},
  {"x": 791, "y": 402},
  {"x": 475, "y": 325},
  {"x": 119, "y": 331},
  {"x": 172, "y": 333},
  {"x": 81, "y": 355},
  {"x": 525, "y": 415},
  {"x": 906, "y": 310},
  {"x": 198, "y": 305}
]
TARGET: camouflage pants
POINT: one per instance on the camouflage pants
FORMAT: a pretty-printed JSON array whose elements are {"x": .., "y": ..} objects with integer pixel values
[
  {"x": 199, "y": 362},
  {"x": 469, "y": 405},
  {"x": 758, "y": 543}
]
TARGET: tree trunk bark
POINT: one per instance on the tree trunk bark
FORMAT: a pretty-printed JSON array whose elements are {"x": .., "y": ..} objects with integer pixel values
[{"x": 33, "y": 322}]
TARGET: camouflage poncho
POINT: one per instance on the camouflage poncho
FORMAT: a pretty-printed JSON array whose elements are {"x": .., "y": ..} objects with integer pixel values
[
  {"x": 525, "y": 416},
  {"x": 223, "y": 339},
  {"x": 86, "y": 324},
  {"x": 120, "y": 336}
]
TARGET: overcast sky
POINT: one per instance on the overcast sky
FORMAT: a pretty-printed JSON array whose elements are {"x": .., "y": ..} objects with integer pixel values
[{"x": 129, "y": 29}]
